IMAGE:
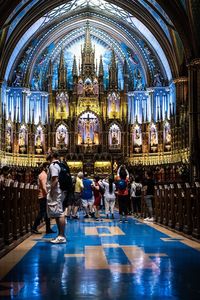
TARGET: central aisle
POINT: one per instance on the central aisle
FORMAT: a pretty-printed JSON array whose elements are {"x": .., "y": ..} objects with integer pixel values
[{"x": 105, "y": 260}]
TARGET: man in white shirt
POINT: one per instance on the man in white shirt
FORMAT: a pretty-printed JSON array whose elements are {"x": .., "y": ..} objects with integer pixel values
[{"x": 55, "y": 199}]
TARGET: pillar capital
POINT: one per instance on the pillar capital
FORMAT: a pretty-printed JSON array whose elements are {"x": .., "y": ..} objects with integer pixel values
[
  {"x": 195, "y": 63},
  {"x": 181, "y": 79}
]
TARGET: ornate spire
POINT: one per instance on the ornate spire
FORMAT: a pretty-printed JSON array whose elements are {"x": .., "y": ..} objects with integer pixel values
[
  {"x": 101, "y": 70},
  {"x": 126, "y": 76},
  {"x": 29, "y": 119},
  {"x": 88, "y": 57},
  {"x": 125, "y": 68},
  {"x": 113, "y": 73},
  {"x": 33, "y": 116},
  {"x": 113, "y": 61},
  {"x": 46, "y": 117},
  {"x": 61, "y": 64},
  {"x": 18, "y": 114},
  {"x": 50, "y": 69},
  {"x": 88, "y": 43},
  {"x": 62, "y": 72},
  {"x": 14, "y": 118},
  {"x": 49, "y": 76},
  {"x": 74, "y": 69}
]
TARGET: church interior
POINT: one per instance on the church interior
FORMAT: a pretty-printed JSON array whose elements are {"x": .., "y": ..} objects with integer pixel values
[{"x": 103, "y": 83}]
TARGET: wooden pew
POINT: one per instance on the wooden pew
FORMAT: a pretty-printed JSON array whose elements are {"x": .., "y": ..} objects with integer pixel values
[
  {"x": 171, "y": 206},
  {"x": 196, "y": 211},
  {"x": 22, "y": 209},
  {"x": 2, "y": 217},
  {"x": 161, "y": 195},
  {"x": 27, "y": 211},
  {"x": 165, "y": 208},
  {"x": 8, "y": 229},
  {"x": 187, "y": 209},
  {"x": 16, "y": 211},
  {"x": 179, "y": 208}
]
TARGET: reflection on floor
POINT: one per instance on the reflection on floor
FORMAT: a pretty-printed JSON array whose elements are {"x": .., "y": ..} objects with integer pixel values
[{"x": 103, "y": 260}]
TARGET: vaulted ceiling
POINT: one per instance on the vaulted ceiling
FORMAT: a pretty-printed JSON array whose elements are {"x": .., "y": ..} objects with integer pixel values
[{"x": 158, "y": 34}]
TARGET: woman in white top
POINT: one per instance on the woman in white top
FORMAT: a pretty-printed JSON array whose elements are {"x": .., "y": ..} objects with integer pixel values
[{"x": 109, "y": 196}]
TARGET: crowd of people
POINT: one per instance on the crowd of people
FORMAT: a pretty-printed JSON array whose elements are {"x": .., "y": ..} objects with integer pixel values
[{"x": 62, "y": 196}]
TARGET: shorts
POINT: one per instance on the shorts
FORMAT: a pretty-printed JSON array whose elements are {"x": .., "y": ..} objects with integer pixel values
[
  {"x": 86, "y": 202},
  {"x": 69, "y": 199},
  {"x": 77, "y": 199},
  {"x": 55, "y": 205}
]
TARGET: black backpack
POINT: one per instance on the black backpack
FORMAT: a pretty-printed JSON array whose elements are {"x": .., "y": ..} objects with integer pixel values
[
  {"x": 64, "y": 178},
  {"x": 138, "y": 191}
]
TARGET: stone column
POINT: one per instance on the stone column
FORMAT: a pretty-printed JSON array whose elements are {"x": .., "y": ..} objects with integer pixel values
[
  {"x": 181, "y": 88},
  {"x": 1, "y": 117},
  {"x": 181, "y": 85},
  {"x": 150, "y": 92},
  {"x": 194, "y": 116}
]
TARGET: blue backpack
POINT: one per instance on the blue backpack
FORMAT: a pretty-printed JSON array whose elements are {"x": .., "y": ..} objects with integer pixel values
[{"x": 122, "y": 184}]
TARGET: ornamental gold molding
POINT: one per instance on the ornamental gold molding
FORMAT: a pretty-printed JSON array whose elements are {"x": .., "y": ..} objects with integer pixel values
[
  {"x": 180, "y": 79},
  {"x": 86, "y": 103},
  {"x": 194, "y": 62}
]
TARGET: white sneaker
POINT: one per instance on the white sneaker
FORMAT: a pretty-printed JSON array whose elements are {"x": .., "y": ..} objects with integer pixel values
[{"x": 58, "y": 240}]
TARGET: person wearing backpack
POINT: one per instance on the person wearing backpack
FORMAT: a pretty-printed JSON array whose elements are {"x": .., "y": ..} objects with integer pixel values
[
  {"x": 136, "y": 195},
  {"x": 87, "y": 196},
  {"x": 122, "y": 193},
  {"x": 55, "y": 199},
  {"x": 67, "y": 186}
]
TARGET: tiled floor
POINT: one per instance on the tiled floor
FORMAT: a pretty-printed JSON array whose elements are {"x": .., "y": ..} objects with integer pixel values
[{"x": 103, "y": 260}]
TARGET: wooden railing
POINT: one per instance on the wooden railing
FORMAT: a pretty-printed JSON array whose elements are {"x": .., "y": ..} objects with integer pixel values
[
  {"x": 177, "y": 206},
  {"x": 18, "y": 209}
]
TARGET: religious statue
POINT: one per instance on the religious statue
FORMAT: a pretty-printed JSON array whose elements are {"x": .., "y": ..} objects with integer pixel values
[
  {"x": 96, "y": 138},
  {"x": 36, "y": 80},
  {"x": 137, "y": 137},
  {"x": 168, "y": 136},
  {"x": 22, "y": 142},
  {"x": 21, "y": 139},
  {"x": 88, "y": 89},
  {"x": 137, "y": 134},
  {"x": 61, "y": 137},
  {"x": 62, "y": 105},
  {"x": 113, "y": 105},
  {"x": 8, "y": 138},
  {"x": 80, "y": 138},
  {"x": 157, "y": 79},
  {"x": 114, "y": 139},
  {"x": 96, "y": 87},
  {"x": 80, "y": 87},
  {"x": 113, "y": 101},
  {"x": 138, "y": 80},
  {"x": 38, "y": 144},
  {"x": 18, "y": 79},
  {"x": 87, "y": 132},
  {"x": 153, "y": 138}
]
